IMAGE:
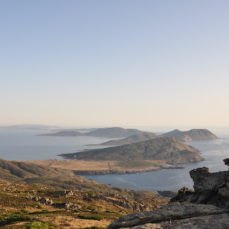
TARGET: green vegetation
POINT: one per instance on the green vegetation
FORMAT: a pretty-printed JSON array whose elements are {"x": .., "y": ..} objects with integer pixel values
[
  {"x": 91, "y": 216},
  {"x": 28, "y": 206},
  {"x": 13, "y": 217},
  {"x": 39, "y": 225}
]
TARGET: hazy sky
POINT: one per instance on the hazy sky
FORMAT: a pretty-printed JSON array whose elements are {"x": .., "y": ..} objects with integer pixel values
[{"x": 114, "y": 62}]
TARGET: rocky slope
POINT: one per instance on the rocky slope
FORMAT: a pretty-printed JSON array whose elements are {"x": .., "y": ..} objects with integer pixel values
[
  {"x": 205, "y": 207},
  {"x": 32, "y": 195},
  {"x": 144, "y": 136},
  {"x": 191, "y": 135},
  {"x": 161, "y": 148}
]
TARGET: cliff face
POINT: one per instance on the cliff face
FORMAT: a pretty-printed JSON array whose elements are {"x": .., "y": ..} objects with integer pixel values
[
  {"x": 207, "y": 206},
  {"x": 161, "y": 148},
  {"x": 191, "y": 135}
]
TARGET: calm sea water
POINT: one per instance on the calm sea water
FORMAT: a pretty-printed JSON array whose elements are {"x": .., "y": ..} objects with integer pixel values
[{"x": 26, "y": 145}]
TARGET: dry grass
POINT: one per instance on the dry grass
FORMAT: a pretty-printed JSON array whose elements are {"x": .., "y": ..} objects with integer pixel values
[
  {"x": 69, "y": 222},
  {"x": 80, "y": 165}
]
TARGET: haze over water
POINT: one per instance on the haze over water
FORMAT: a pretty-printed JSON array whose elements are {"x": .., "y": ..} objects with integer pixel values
[{"x": 24, "y": 144}]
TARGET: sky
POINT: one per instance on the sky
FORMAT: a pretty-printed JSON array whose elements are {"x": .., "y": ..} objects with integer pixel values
[{"x": 114, "y": 62}]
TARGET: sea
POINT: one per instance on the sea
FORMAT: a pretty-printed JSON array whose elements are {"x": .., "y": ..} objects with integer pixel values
[{"x": 26, "y": 144}]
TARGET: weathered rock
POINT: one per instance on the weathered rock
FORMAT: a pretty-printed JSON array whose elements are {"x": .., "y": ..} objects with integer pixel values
[
  {"x": 171, "y": 212},
  {"x": 226, "y": 161},
  {"x": 206, "y": 181},
  {"x": 220, "y": 221},
  {"x": 209, "y": 188}
]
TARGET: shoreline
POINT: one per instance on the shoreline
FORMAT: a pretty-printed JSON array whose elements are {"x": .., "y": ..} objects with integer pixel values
[
  {"x": 120, "y": 172},
  {"x": 87, "y": 168}
]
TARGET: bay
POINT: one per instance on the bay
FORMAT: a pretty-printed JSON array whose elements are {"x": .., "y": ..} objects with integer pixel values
[{"x": 213, "y": 152}]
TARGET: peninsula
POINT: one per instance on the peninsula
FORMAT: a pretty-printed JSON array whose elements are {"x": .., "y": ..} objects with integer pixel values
[{"x": 153, "y": 154}]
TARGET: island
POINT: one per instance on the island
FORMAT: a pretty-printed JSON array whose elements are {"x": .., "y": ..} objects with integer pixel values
[
  {"x": 110, "y": 132},
  {"x": 191, "y": 135},
  {"x": 153, "y": 154}
]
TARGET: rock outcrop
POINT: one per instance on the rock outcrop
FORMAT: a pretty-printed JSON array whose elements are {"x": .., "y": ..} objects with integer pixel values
[
  {"x": 209, "y": 188},
  {"x": 207, "y": 206}
]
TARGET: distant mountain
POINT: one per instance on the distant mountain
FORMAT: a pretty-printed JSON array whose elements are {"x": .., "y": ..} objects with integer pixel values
[
  {"x": 191, "y": 135},
  {"x": 111, "y": 132},
  {"x": 132, "y": 139},
  {"x": 65, "y": 133},
  {"x": 161, "y": 148}
]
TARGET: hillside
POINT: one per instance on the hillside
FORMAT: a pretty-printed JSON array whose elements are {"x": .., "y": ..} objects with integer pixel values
[
  {"x": 33, "y": 196},
  {"x": 161, "y": 148},
  {"x": 26, "y": 172},
  {"x": 191, "y": 135},
  {"x": 132, "y": 139}
]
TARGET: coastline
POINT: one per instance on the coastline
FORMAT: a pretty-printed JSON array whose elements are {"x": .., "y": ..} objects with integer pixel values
[
  {"x": 84, "y": 168},
  {"x": 111, "y": 172}
]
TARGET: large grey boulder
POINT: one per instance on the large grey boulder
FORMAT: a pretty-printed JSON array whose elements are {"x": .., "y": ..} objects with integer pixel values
[
  {"x": 203, "y": 222},
  {"x": 170, "y": 215}
]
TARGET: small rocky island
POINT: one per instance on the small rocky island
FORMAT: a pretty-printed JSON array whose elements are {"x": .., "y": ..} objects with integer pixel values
[
  {"x": 207, "y": 206},
  {"x": 191, "y": 135}
]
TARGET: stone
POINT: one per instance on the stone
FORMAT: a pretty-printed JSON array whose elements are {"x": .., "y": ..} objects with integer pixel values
[
  {"x": 226, "y": 161},
  {"x": 170, "y": 212}
]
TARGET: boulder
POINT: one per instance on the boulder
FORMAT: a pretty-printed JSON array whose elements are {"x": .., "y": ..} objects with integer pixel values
[{"x": 170, "y": 215}]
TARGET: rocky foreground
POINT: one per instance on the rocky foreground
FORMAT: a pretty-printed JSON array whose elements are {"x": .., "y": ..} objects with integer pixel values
[{"x": 207, "y": 206}]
